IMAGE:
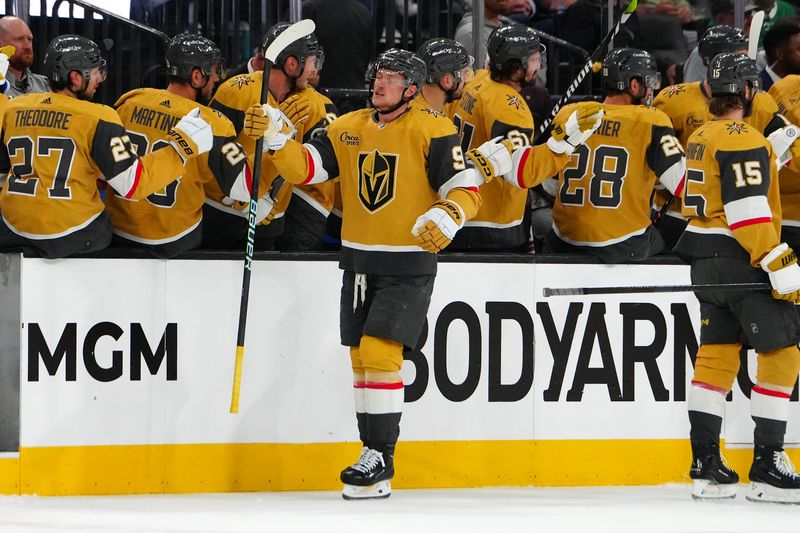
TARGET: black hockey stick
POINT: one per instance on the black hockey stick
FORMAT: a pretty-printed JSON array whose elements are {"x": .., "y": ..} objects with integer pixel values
[
  {"x": 580, "y": 291},
  {"x": 599, "y": 52},
  {"x": 296, "y": 31}
]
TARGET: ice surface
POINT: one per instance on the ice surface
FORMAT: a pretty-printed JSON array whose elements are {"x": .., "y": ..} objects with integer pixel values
[{"x": 666, "y": 508}]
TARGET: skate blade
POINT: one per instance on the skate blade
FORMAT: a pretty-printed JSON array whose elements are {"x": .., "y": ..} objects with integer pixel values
[
  {"x": 381, "y": 489},
  {"x": 703, "y": 489},
  {"x": 762, "y": 492}
]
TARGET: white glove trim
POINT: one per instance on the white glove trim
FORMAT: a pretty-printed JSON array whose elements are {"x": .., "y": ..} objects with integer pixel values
[
  {"x": 469, "y": 177},
  {"x": 443, "y": 221},
  {"x": 784, "y": 280}
]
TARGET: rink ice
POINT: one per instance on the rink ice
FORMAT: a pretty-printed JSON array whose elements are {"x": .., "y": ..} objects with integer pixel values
[{"x": 665, "y": 508}]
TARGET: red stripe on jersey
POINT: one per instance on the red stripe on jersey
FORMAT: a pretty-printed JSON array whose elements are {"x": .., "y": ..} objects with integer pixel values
[
  {"x": 384, "y": 386},
  {"x": 521, "y": 167},
  {"x": 767, "y": 392},
  {"x": 706, "y": 386},
  {"x": 248, "y": 177},
  {"x": 473, "y": 189},
  {"x": 311, "y": 168},
  {"x": 359, "y": 385},
  {"x": 679, "y": 188},
  {"x": 750, "y": 222},
  {"x": 135, "y": 179}
]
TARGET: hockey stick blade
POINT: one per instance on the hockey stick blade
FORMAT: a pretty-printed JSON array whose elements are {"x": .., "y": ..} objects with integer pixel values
[
  {"x": 586, "y": 68},
  {"x": 583, "y": 291},
  {"x": 755, "y": 32},
  {"x": 296, "y": 31}
]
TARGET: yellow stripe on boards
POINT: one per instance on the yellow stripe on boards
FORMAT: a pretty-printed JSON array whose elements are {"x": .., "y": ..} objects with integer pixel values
[
  {"x": 184, "y": 468},
  {"x": 9, "y": 475}
]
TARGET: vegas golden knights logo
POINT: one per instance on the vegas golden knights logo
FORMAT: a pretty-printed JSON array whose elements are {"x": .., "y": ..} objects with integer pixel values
[{"x": 376, "y": 179}]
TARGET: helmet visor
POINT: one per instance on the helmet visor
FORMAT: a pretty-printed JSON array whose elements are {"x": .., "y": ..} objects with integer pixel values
[{"x": 652, "y": 81}]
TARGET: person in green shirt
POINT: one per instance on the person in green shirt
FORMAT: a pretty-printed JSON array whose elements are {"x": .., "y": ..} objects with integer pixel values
[{"x": 774, "y": 10}]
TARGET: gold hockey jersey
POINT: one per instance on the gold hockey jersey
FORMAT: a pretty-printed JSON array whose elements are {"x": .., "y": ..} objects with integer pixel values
[
  {"x": 731, "y": 196},
  {"x": 232, "y": 99},
  {"x": 55, "y": 148},
  {"x": 786, "y": 93},
  {"x": 389, "y": 175},
  {"x": 604, "y": 192},
  {"x": 686, "y": 105},
  {"x": 176, "y": 210},
  {"x": 486, "y": 110}
]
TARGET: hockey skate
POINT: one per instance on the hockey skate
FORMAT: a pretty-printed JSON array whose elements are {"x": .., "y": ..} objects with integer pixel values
[
  {"x": 773, "y": 477},
  {"x": 369, "y": 478},
  {"x": 712, "y": 478}
]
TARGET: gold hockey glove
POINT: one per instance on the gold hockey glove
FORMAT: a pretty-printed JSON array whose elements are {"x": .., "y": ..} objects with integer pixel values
[
  {"x": 436, "y": 228},
  {"x": 295, "y": 108},
  {"x": 577, "y": 129},
  {"x": 784, "y": 274}
]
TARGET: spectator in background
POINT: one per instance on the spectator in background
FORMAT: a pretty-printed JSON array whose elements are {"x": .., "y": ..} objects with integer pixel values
[
  {"x": 722, "y": 14},
  {"x": 21, "y": 80},
  {"x": 680, "y": 9},
  {"x": 782, "y": 47},
  {"x": 774, "y": 10},
  {"x": 493, "y": 15},
  {"x": 344, "y": 30}
]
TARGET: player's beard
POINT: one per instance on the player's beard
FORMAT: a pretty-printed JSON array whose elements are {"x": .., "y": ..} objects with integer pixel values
[{"x": 748, "y": 106}]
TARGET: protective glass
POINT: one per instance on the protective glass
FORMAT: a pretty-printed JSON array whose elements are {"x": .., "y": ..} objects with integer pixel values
[{"x": 217, "y": 68}]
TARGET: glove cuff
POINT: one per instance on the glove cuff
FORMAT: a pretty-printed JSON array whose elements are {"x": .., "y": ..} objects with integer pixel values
[
  {"x": 560, "y": 147},
  {"x": 778, "y": 258}
]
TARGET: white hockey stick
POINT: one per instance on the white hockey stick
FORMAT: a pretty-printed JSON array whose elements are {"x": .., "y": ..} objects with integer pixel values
[
  {"x": 755, "y": 32},
  {"x": 296, "y": 31}
]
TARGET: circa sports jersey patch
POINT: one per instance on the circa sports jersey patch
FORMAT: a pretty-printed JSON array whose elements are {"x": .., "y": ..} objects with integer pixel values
[
  {"x": 514, "y": 100},
  {"x": 242, "y": 81},
  {"x": 377, "y": 177},
  {"x": 735, "y": 127}
]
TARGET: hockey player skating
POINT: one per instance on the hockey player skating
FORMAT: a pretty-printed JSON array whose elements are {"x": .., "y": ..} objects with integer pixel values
[
  {"x": 687, "y": 107},
  {"x": 57, "y": 145},
  {"x": 407, "y": 188},
  {"x": 732, "y": 205},
  {"x": 603, "y": 201},
  {"x": 170, "y": 221}
]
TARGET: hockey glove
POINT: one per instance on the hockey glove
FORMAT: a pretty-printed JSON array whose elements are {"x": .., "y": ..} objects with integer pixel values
[
  {"x": 784, "y": 274},
  {"x": 265, "y": 208},
  {"x": 192, "y": 135},
  {"x": 579, "y": 127},
  {"x": 295, "y": 109},
  {"x": 492, "y": 158},
  {"x": 437, "y": 226},
  {"x": 5, "y": 53},
  {"x": 782, "y": 140},
  {"x": 269, "y": 122}
]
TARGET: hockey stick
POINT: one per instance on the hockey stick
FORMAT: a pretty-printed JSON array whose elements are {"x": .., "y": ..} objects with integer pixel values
[
  {"x": 756, "y": 23},
  {"x": 599, "y": 51},
  {"x": 296, "y": 31},
  {"x": 580, "y": 291}
]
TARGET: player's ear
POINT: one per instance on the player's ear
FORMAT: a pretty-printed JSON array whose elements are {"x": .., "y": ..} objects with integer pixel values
[
  {"x": 291, "y": 64},
  {"x": 75, "y": 80},
  {"x": 198, "y": 80},
  {"x": 411, "y": 91}
]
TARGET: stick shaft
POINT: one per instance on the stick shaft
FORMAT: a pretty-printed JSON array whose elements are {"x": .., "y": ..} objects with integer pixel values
[
  {"x": 291, "y": 34},
  {"x": 580, "y": 291},
  {"x": 600, "y": 50}
]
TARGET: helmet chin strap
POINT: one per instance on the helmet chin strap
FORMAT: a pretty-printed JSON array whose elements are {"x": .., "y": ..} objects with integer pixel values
[{"x": 392, "y": 108}]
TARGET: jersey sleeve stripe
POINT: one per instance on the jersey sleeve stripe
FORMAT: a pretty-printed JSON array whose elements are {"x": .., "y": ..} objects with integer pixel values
[
  {"x": 748, "y": 211},
  {"x": 521, "y": 168},
  {"x": 316, "y": 171},
  {"x": 127, "y": 181},
  {"x": 466, "y": 179}
]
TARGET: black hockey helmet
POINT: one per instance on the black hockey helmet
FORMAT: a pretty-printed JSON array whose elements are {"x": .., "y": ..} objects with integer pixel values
[
  {"x": 512, "y": 43},
  {"x": 69, "y": 52},
  {"x": 443, "y": 56},
  {"x": 719, "y": 39},
  {"x": 300, "y": 49},
  {"x": 406, "y": 63},
  {"x": 188, "y": 51},
  {"x": 730, "y": 72},
  {"x": 623, "y": 64}
]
